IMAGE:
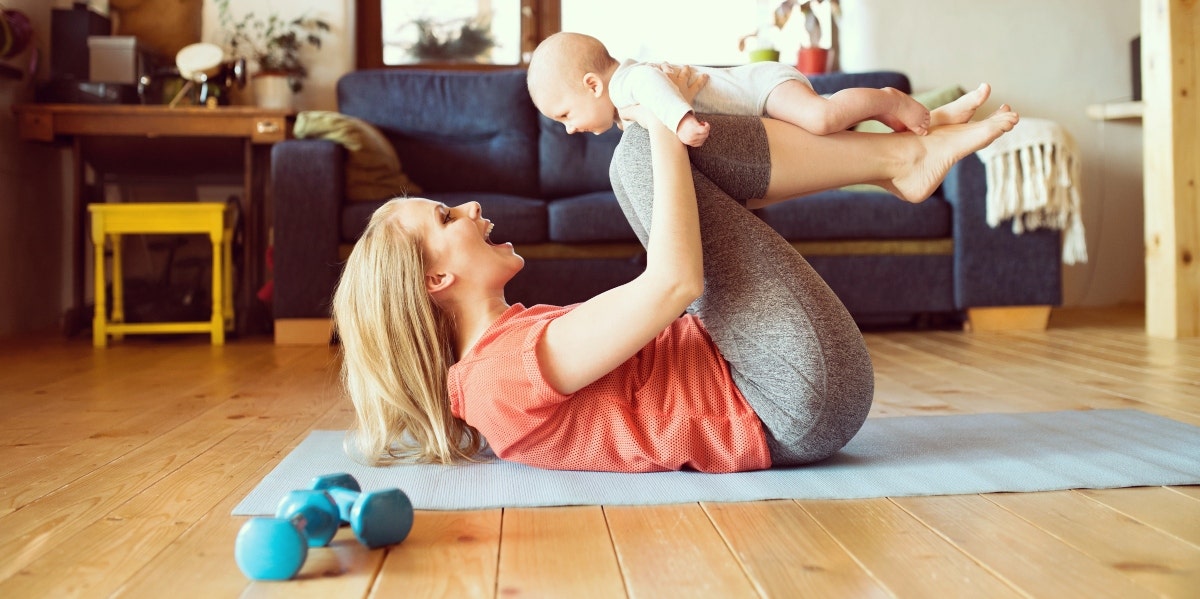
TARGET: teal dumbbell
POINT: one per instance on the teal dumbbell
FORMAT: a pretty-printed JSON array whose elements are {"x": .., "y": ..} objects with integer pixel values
[
  {"x": 275, "y": 548},
  {"x": 379, "y": 518}
]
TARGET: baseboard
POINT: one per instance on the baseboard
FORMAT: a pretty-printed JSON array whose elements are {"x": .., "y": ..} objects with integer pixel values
[
  {"x": 1008, "y": 318},
  {"x": 303, "y": 331}
]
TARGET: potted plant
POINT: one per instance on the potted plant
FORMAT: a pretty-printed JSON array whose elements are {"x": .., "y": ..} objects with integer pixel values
[
  {"x": 813, "y": 56},
  {"x": 274, "y": 45}
]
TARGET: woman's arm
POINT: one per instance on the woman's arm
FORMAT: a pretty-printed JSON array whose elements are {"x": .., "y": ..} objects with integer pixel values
[{"x": 597, "y": 336}]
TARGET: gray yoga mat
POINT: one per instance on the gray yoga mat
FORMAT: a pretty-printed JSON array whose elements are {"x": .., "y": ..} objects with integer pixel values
[{"x": 890, "y": 457}]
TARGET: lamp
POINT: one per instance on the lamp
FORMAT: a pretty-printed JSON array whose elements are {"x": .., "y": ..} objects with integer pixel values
[{"x": 207, "y": 74}]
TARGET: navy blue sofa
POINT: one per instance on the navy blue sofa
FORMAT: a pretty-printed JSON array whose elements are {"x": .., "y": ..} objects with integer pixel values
[{"x": 468, "y": 136}]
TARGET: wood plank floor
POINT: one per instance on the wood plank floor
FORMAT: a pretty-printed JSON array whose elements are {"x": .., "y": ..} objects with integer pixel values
[{"x": 119, "y": 469}]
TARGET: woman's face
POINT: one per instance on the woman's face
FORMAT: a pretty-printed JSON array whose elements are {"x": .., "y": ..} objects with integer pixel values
[{"x": 456, "y": 240}]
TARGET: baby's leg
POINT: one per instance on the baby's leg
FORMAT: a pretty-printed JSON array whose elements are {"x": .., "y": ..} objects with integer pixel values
[
  {"x": 793, "y": 349},
  {"x": 794, "y": 102},
  {"x": 909, "y": 166}
]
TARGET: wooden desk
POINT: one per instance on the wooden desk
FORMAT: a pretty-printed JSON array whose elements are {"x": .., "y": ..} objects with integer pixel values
[{"x": 257, "y": 129}]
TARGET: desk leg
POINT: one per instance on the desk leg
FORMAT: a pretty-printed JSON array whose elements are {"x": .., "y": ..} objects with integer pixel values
[
  {"x": 77, "y": 317},
  {"x": 253, "y": 317}
]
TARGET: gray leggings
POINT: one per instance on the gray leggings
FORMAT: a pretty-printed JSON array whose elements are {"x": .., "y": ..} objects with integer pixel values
[{"x": 793, "y": 349}]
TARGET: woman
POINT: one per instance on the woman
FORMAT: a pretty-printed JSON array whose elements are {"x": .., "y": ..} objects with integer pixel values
[{"x": 766, "y": 368}]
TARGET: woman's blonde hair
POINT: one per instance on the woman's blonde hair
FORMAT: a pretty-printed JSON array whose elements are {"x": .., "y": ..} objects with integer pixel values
[{"x": 396, "y": 351}]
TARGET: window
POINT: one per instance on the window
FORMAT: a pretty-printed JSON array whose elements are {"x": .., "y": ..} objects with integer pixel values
[
  {"x": 680, "y": 31},
  {"x": 450, "y": 31},
  {"x": 388, "y": 32},
  {"x": 481, "y": 34}
]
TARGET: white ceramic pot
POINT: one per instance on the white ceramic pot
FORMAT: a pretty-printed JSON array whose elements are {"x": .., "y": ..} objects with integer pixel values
[{"x": 272, "y": 91}]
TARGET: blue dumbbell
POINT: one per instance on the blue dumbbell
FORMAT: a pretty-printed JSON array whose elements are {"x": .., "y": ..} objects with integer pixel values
[
  {"x": 379, "y": 518},
  {"x": 275, "y": 548}
]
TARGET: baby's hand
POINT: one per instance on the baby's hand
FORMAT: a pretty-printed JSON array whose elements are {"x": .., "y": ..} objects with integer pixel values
[{"x": 692, "y": 131}]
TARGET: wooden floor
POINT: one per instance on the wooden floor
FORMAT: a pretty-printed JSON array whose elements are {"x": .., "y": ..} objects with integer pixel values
[{"x": 119, "y": 469}]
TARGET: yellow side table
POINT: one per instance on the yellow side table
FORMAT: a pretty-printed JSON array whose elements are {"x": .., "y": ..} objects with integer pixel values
[{"x": 110, "y": 221}]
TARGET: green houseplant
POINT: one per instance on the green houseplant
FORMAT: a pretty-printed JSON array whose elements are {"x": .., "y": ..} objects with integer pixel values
[
  {"x": 272, "y": 42},
  {"x": 814, "y": 56}
]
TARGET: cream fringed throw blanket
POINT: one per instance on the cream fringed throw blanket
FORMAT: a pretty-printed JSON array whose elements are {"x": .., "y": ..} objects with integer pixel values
[{"x": 1033, "y": 175}]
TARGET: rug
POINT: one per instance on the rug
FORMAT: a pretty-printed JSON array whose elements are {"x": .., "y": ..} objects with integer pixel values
[{"x": 890, "y": 457}]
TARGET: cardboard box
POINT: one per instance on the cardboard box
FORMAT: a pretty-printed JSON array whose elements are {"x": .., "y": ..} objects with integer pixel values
[{"x": 114, "y": 59}]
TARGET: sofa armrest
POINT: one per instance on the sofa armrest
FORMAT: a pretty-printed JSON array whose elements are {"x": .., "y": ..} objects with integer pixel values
[
  {"x": 995, "y": 267},
  {"x": 308, "y": 178}
]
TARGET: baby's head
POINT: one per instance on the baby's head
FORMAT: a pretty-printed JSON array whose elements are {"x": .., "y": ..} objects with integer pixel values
[{"x": 568, "y": 82}]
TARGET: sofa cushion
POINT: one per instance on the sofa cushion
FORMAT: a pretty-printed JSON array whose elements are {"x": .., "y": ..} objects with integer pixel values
[
  {"x": 516, "y": 219},
  {"x": 452, "y": 130},
  {"x": 372, "y": 169},
  {"x": 573, "y": 164},
  {"x": 588, "y": 218},
  {"x": 858, "y": 215}
]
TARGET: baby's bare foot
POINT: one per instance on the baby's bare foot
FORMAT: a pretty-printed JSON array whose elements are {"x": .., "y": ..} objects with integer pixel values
[
  {"x": 893, "y": 123},
  {"x": 908, "y": 111},
  {"x": 962, "y": 109},
  {"x": 945, "y": 146}
]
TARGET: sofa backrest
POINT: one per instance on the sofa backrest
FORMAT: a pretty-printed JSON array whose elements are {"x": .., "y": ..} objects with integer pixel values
[
  {"x": 453, "y": 130},
  {"x": 574, "y": 164},
  {"x": 828, "y": 83}
]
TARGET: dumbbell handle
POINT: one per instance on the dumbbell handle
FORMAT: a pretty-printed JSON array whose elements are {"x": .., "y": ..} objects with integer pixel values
[
  {"x": 345, "y": 499},
  {"x": 314, "y": 513}
]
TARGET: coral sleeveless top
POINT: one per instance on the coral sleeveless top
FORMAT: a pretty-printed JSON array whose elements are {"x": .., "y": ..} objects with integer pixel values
[{"x": 672, "y": 406}]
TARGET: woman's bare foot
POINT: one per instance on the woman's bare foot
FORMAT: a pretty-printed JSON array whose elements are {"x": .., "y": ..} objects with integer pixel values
[
  {"x": 934, "y": 154},
  {"x": 962, "y": 109}
]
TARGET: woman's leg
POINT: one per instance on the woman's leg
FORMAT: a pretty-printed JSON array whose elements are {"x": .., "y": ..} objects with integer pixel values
[{"x": 792, "y": 347}]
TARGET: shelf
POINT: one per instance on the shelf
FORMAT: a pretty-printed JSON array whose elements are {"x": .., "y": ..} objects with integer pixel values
[{"x": 1116, "y": 111}]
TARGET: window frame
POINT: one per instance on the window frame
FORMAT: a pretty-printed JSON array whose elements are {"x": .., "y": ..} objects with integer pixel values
[{"x": 539, "y": 20}]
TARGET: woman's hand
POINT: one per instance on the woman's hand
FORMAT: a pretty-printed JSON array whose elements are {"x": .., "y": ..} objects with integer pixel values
[
  {"x": 692, "y": 131},
  {"x": 685, "y": 78}
]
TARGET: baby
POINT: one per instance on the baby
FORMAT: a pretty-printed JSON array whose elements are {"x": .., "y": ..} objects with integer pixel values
[{"x": 575, "y": 81}]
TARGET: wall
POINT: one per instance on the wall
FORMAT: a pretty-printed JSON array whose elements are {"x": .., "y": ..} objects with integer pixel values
[
  {"x": 1048, "y": 60},
  {"x": 1080, "y": 57}
]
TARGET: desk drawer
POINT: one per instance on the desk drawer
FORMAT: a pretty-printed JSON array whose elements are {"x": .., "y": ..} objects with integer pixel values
[
  {"x": 36, "y": 126},
  {"x": 269, "y": 129}
]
